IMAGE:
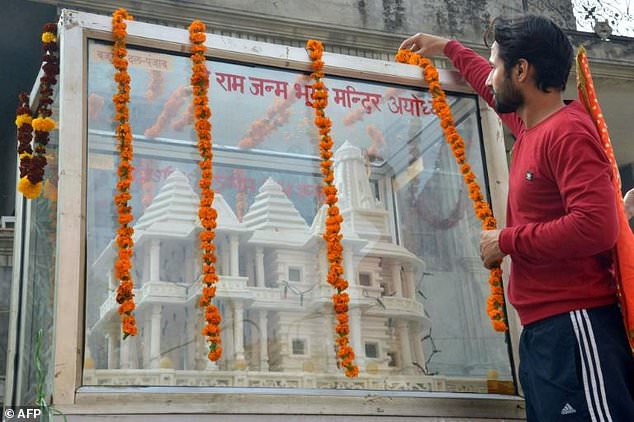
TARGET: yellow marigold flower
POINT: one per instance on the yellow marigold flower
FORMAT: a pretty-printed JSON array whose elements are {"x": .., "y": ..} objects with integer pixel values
[
  {"x": 48, "y": 37},
  {"x": 43, "y": 124},
  {"x": 25, "y": 155},
  {"x": 22, "y": 119},
  {"x": 28, "y": 189}
]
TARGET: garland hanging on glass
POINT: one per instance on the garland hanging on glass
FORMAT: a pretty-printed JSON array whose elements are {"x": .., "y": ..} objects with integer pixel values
[
  {"x": 206, "y": 211},
  {"x": 332, "y": 235},
  {"x": 23, "y": 122},
  {"x": 495, "y": 301},
  {"x": 33, "y": 160},
  {"x": 123, "y": 134}
]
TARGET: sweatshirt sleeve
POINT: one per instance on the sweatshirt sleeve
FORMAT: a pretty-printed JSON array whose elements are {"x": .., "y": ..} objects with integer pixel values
[
  {"x": 590, "y": 223},
  {"x": 475, "y": 69}
]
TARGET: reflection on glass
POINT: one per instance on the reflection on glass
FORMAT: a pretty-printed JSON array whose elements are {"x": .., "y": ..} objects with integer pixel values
[
  {"x": 34, "y": 372},
  {"x": 417, "y": 313}
]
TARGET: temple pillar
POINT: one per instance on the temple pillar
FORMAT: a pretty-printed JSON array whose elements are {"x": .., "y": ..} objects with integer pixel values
[
  {"x": 405, "y": 343},
  {"x": 355, "y": 336},
  {"x": 259, "y": 267},
  {"x": 155, "y": 260},
  {"x": 238, "y": 331},
  {"x": 124, "y": 354},
  {"x": 329, "y": 333},
  {"x": 396, "y": 279},
  {"x": 250, "y": 269},
  {"x": 113, "y": 337},
  {"x": 263, "y": 321},
  {"x": 225, "y": 256},
  {"x": 415, "y": 338},
  {"x": 234, "y": 245},
  {"x": 155, "y": 336},
  {"x": 408, "y": 280},
  {"x": 348, "y": 266}
]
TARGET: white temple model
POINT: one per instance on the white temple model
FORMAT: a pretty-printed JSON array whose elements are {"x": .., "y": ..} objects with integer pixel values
[{"x": 278, "y": 321}]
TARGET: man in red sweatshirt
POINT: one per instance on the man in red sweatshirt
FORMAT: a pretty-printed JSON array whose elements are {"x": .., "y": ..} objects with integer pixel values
[{"x": 575, "y": 362}]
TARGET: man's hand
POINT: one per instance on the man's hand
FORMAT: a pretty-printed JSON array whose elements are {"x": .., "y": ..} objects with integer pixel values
[
  {"x": 490, "y": 252},
  {"x": 424, "y": 44},
  {"x": 628, "y": 199}
]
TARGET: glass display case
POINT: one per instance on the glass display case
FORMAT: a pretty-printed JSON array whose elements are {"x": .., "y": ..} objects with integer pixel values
[{"x": 418, "y": 291}]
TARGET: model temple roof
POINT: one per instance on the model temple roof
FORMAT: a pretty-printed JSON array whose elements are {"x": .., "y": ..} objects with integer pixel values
[
  {"x": 173, "y": 211},
  {"x": 273, "y": 210}
]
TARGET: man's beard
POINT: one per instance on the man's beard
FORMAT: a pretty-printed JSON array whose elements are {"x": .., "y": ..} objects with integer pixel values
[{"x": 509, "y": 99}]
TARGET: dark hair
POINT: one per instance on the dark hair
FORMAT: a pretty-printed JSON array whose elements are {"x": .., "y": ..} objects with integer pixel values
[{"x": 537, "y": 40}]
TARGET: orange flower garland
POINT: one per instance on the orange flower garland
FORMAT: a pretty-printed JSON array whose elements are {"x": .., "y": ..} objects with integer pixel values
[
  {"x": 495, "y": 302},
  {"x": 332, "y": 235},
  {"x": 155, "y": 87},
  {"x": 378, "y": 142},
  {"x": 34, "y": 162},
  {"x": 170, "y": 108},
  {"x": 123, "y": 133},
  {"x": 186, "y": 118},
  {"x": 23, "y": 122},
  {"x": 277, "y": 115},
  {"x": 206, "y": 212}
]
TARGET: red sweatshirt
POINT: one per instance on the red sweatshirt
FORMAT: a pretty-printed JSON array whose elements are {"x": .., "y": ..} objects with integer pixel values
[{"x": 561, "y": 213}]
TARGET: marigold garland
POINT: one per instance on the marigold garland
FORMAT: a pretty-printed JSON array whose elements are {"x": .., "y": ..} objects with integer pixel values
[
  {"x": 155, "y": 86},
  {"x": 206, "y": 212},
  {"x": 495, "y": 301},
  {"x": 186, "y": 118},
  {"x": 145, "y": 171},
  {"x": 375, "y": 150},
  {"x": 33, "y": 162},
  {"x": 170, "y": 108},
  {"x": 332, "y": 235},
  {"x": 23, "y": 122},
  {"x": 276, "y": 116},
  {"x": 123, "y": 133}
]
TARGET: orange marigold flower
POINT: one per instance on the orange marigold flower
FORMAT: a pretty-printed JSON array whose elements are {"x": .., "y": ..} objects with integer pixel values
[
  {"x": 314, "y": 45},
  {"x": 215, "y": 354},
  {"x": 499, "y": 325},
  {"x": 123, "y": 132},
  {"x": 342, "y": 318},
  {"x": 197, "y": 26},
  {"x": 207, "y": 214},
  {"x": 353, "y": 371},
  {"x": 441, "y": 108},
  {"x": 129, "y": 324},
  {"x": 209, "y": 291},
  {"x": 333, "y": 222},
  {"x": 342, "y": 329},
  {"x": 126, "y": 307},
  {"x": 197, "y": 37},
  {"x": 209, "y": 330},
  {"x": 402, "y": 56},
  {"x": 213, "y": 317}
]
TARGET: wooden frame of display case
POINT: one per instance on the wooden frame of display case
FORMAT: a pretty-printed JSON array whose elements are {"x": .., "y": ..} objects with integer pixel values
[{"x": 70, "y": 397}]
